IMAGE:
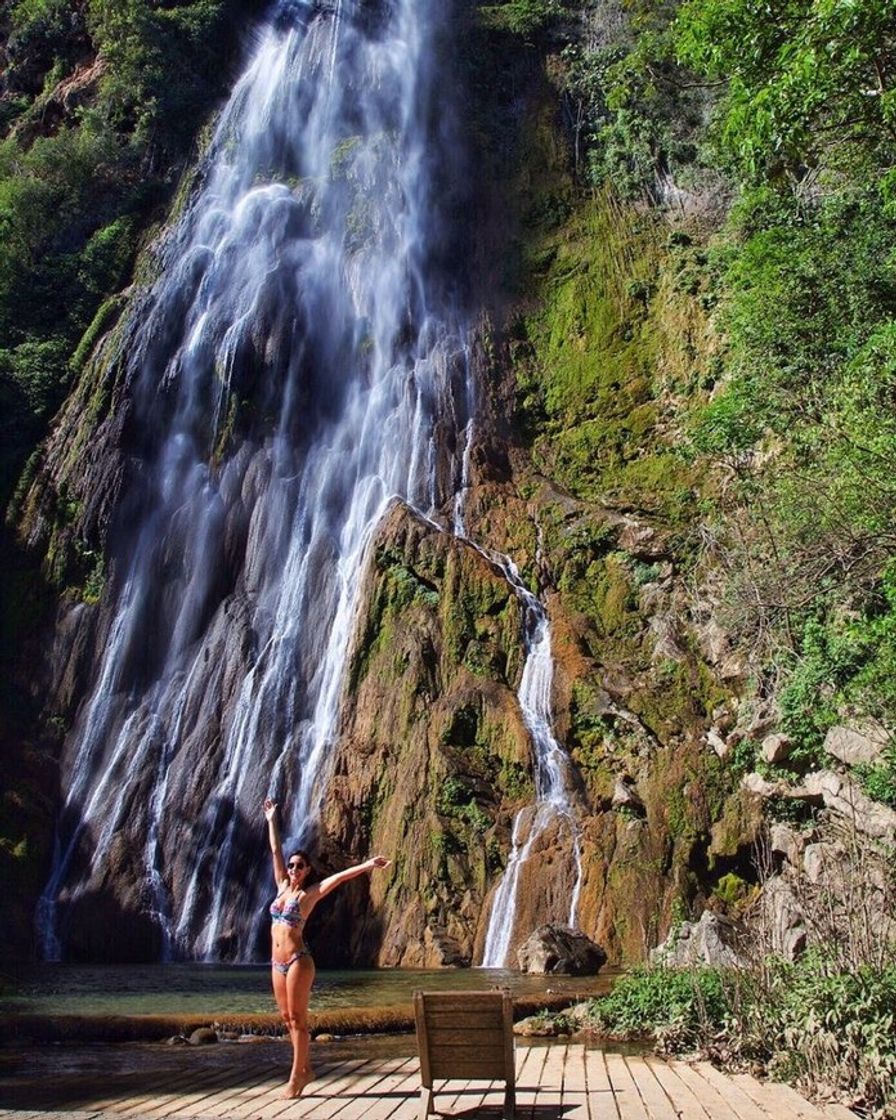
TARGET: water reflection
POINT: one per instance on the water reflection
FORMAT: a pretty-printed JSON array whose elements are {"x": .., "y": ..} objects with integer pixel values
[{"x": 244, "y": 989}]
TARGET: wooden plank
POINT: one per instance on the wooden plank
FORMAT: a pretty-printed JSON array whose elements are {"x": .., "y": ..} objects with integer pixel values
[
  {"x": 148, "y": 1103},
  {"x": 460, "y": 1036},
  {"x": 574, "y": 1068},
  {"x": 361, "y": 1086},
  {"x": 222, "y": 1086},
  {"x": 550, "y": 1083},
  {"x": 596, "y": 1072},
  {"x": 325, "y": 1098},
  {"x": 744, "y": 1105},
  {"x": 838, "y": 1111},
  {"x": 244, "y": 1100},
  {"x": 377, "y": 1102},
  {"x": 121, "y": 1097},
  {"x": 528, "y": 1081},
  {"x": 683, "y": 1100},
  {"x": 575, "y": 1103},
  {"x": 466, "y": 1067},
  {"x": 451, "y": 1098},
  {"x": 717, "y": 1105},
  {"x": 468, "y": 1019},
  {"x": 195, "y": 1102},
  {"x": 442, "y": 1001},
  {"x": 403, "y": 1100},
  {"x": 316, "y": 1097},
  {"x": 628, "y": 1099},
  {"x": 658, "y": 1105},
  {"x": 422, "y": 1028},
  {"x": 780, "y": 1101},
  {"x": 267, "y": 1083}
]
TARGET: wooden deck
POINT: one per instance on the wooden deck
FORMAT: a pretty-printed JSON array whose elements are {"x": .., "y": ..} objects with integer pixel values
[{"x": 557, "y": 1082}]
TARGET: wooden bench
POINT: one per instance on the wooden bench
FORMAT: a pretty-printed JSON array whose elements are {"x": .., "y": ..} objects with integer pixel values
[{"x": 466, "y": 1035}]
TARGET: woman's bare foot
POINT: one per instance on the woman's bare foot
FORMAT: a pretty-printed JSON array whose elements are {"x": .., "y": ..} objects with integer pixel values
[{"x": 296, "y": 1085}]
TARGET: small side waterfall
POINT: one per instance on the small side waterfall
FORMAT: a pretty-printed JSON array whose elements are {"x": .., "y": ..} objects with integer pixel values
[
  {"x": 553, "y": 779},
  {"x": 301, "y": 361}
]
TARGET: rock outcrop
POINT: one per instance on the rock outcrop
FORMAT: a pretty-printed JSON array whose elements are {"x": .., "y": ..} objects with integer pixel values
[
  {"x": 559, "y": 949},
  {"x": 713, "y": 940}
]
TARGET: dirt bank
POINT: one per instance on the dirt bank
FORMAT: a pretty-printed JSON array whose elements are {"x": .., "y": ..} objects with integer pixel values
[{"x": 25, "y": 1029}]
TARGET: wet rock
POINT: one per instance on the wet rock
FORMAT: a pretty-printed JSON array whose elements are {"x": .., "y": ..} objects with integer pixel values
[
  {"x": 712, "y": 940},
  {"x": 203, "y": 1036},
  {"x": 536, "y": 1026},
  {"x": 177, "y": 1040},
  {"x": 559, "y": 949},
  {"x": 855, "y": 745}
]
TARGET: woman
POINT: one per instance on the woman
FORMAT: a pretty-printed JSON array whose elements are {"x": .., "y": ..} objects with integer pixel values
[{"x": 292, "y": 969}]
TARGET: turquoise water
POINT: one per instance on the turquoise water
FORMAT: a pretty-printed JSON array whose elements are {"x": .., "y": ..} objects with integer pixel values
[{"x": 187, "y": 989}]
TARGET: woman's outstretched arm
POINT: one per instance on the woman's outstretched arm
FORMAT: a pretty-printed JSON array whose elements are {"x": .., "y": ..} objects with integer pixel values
[
  {"x": 270, "y": 812},
  {"x": 319, "y": 890}
]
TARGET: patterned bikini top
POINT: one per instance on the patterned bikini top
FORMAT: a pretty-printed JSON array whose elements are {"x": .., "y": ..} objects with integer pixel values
[{"x": 286, "y": 910}]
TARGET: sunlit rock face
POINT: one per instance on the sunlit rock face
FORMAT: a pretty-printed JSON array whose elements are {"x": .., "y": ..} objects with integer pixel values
[
  {"x": 298, "y": 363},
  {"x": 335, "y": 571}
]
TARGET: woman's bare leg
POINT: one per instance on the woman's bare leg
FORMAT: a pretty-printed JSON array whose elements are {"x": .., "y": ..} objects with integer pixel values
[
  {"x": 278, "y": 982},
  {"x": 298, "y": 988}
]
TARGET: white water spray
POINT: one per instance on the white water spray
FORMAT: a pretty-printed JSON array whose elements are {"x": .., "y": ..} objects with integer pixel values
[
  {"x": 554, "y": 785},
  {"x": 285, "y": 382}
]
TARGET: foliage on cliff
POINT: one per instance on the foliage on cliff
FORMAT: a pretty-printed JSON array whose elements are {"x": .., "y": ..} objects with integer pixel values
[
  {"x": 761, "y": 144},
  {"x": 100, "y": 104}
]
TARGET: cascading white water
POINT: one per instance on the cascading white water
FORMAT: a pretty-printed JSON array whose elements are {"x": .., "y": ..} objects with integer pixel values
[
  {"x": 284, "y": 385},
  {"x": 553, "y": 777}
]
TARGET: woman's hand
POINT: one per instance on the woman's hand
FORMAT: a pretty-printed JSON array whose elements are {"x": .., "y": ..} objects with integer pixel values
[
  {"x": 378, "y": 861},
  {"x": 270, "y": 809}
]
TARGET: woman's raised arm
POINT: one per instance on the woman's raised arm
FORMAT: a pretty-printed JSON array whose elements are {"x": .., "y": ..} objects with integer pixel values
[
  {"x": 270, "y": 812},
  {"x": 323, "y": 888}
]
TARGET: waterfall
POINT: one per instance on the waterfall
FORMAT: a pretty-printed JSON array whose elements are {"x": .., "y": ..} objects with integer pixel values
[
  {"x": 284, "y": 383},
  {"x": 554, "y": 786}
]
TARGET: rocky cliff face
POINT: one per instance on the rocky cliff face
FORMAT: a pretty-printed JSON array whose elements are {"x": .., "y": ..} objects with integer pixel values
[{"x": 573, "y": 474}]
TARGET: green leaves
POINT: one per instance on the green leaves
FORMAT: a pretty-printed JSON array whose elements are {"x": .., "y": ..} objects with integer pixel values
[
  {"x": 807, "y": 81},
  {"x": 521, "y": 17}
]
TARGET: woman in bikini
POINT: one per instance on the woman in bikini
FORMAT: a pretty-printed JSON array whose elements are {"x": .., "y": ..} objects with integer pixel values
[{"x": 292, "y": 969}]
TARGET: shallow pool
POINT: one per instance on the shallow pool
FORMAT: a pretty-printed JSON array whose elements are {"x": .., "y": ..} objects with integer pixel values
[{"x": 161, "y": 989}]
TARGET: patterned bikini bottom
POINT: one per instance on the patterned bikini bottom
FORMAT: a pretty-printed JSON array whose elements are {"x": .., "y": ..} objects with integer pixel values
[{"x": 284, "y": 966}]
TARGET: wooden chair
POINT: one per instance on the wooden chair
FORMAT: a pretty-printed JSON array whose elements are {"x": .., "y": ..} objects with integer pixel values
[{"x": 466, "y": 1035}]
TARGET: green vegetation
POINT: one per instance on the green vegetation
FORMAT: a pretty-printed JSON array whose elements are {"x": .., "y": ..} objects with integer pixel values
[
  {"x": 647, "y": 1000},
  {"x": 809, "y": 1023},
  {"x": 725, "y": 355},
  {"x": 102, "y": 105}
]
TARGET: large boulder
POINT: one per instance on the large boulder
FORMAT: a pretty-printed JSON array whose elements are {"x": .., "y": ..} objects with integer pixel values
[{"x": 559, "y": 949}]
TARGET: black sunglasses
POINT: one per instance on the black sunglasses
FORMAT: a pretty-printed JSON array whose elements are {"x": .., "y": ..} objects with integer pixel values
[{"x": 297, "y": 863}]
